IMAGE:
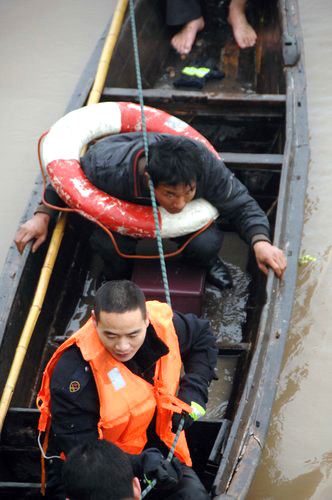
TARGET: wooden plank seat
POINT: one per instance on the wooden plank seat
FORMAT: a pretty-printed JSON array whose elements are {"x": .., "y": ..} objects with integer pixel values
[
  {"x": 258, "y": 105},
  {"x": 271, "y": 162}
]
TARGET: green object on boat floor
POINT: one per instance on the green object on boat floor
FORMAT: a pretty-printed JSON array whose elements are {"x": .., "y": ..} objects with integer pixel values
[{"x": 305, "y": 259}]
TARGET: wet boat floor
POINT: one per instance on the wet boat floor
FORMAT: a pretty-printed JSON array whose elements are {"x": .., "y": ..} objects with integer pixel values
[
  {"x": 226, "y": 311},
  {"x": 234, "y": 80}
]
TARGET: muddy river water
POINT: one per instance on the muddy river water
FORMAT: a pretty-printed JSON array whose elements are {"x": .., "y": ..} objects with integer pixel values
[
  {"x": 297, "y": 459},
  {"x": 43, "y": 47}
]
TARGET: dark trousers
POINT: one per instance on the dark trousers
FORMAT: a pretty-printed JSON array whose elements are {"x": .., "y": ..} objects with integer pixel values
[
  {"x": 180, "y": 12},
  {"x": 201, "y": 251},
  {"x": 189, "y": 488}
]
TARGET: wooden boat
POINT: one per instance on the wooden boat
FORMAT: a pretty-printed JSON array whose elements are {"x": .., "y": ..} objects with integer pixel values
[{"x": 257, "y": 118}]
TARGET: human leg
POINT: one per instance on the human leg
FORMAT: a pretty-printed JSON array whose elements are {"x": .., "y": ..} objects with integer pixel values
[
  {"x": 183, "y": 41},
  {"x": 115, "y": 266},
  {"x": 180, "y": 12},
  {"x": 243, "y": 32},
  {"x": 203, "y": 248},
  {"x": 188, "y": 14},
  {"x": 203, "y": 251}
]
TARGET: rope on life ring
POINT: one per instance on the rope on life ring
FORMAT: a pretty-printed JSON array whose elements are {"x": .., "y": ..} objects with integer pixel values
[{"x": 61, "y": 154}]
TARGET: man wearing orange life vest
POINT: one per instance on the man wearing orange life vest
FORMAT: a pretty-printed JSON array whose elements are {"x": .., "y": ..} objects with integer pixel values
[{"x": 117, "y": 377}]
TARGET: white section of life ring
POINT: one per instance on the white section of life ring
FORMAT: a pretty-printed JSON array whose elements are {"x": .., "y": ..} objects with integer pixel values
[
  {"x": 69, "y": 134},
  {"x": 192, "y": 217}
]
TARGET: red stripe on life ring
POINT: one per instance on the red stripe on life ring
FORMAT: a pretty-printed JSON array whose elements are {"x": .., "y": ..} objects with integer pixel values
[{"x": 77, "y": 191}]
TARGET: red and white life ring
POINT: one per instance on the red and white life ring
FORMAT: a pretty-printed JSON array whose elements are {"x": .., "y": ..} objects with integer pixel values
[{"x": 61, "y": 153}]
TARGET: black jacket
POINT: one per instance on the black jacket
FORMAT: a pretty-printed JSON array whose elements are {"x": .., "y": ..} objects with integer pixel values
[{"x": 111, "y": 165}]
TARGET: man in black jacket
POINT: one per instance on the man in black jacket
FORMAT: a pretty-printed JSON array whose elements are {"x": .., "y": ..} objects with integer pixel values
[
  {"x": 181, "y": 170},
  {"x": 84, "y": 397}
]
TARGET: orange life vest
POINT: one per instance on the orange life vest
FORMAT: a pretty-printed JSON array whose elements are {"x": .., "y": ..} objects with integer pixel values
[{"x": 127, "y": 401}]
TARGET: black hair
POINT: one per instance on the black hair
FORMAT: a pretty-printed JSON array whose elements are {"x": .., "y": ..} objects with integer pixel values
[
  {"x": 174, "y": 160},
  {"x": 98, "y": 470},
  {"x": 119, "y": 297}
]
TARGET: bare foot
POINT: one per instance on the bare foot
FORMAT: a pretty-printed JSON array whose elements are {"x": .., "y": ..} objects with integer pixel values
[
  {"x": 244, "y": 34},
  {"x": 183, "y": 41}
]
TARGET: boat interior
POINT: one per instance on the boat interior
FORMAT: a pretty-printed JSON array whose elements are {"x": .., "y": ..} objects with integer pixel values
[{"x": 242, "y": 114}]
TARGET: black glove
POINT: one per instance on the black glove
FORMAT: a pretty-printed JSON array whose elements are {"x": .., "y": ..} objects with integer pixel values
[
  {"x": 155, "y": 466},
  {"x": 176, "y": 419},
  {"x": 189, "y": 418}
]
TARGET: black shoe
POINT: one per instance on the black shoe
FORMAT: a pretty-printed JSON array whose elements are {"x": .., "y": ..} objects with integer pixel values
[{"x": 219, "y": 275}]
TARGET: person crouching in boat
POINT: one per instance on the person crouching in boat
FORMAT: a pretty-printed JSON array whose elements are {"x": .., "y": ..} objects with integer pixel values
[
  {"x": 181, "y": 169},
  {"x": 117, "y": 379}
]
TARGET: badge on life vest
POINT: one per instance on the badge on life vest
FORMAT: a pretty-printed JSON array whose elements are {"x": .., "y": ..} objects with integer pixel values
[{"x": 74, "y": 386}]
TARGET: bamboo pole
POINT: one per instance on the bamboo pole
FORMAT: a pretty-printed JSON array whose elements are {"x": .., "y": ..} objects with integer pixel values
[
  {"x": 58, "y": 232},
  {"x": 32, "y": 318}
]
